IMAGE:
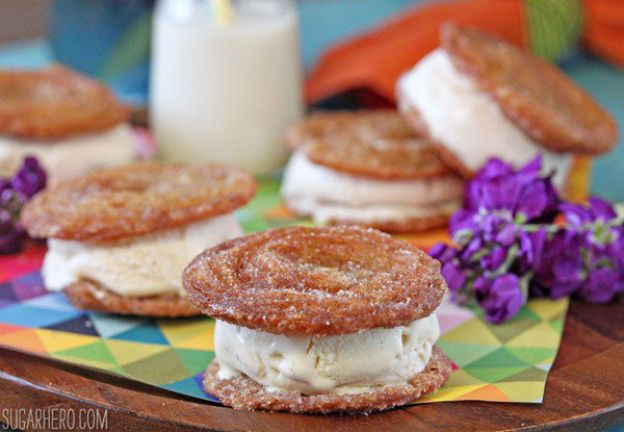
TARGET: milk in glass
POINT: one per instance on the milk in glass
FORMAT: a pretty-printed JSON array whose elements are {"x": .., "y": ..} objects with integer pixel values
[{"x": 224, "y": 88}]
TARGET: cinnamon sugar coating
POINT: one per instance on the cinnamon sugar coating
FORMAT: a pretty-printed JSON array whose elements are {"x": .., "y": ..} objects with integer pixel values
[
  {"x": 136, "y": 199},
  {"x": 315, "y": 281},
  {"x": 242, "y": 393},
  {"x": 90, "y": 295},
  {"x": 374, "y": 144},
  {"x": 534, "y": 94},
  {"x": 56, "y": 102},
  {"x": 408, "y": 225}
]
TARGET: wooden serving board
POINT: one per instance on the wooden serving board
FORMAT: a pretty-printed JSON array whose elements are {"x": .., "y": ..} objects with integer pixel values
[{"x": 585, "y": 391}]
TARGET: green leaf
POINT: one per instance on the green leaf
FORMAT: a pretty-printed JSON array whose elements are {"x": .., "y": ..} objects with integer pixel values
[{"x": 131, "y": 49}]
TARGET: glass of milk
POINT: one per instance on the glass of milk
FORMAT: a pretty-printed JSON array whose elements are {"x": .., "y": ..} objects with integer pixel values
[{"x": 226, "y": 81}]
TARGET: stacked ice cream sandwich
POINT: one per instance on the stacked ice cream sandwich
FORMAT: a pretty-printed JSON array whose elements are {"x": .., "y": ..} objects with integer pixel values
[{"x": 474, "y": 98}]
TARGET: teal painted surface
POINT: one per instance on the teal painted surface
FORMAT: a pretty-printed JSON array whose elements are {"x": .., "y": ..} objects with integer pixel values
[
  {"x": 109, "y": 40},
  {"x": 323, "y": 22},
  {"x": 29, "y": 54},
  {"x": 606, "y": 83}
]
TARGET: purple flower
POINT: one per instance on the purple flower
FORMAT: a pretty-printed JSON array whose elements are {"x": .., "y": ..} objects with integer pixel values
[
  {"x": 579, "y": 215},
  {"x": 492, "y": 226},
  {"x": 560, "y": 270},
  {"x": 493, "y": 169},
  {"x": 30, "y": 178},
  {"x": 506, "y": 235},
  {"x": 11, "y": 235},
  {"x": 451, "y": 270},
  {"x": 463, "y": 219},
  {"x": 602, "y": 285},
  {"x": 500, "y": 192},
  {"x": 508, "y": 243},
  {"x": 531, "y": 247},
  {"x": 4, "y": 184},
  {"x": 501, "y": 298},
  {"x": 598, "y": 247},
  {"x": 455, "y": 277},
  {"x": 12, "y": 202},
  {"x": 523, "y": 192},
  {"x": 14, "y": 193},
  {"x": 616, "y": 248},
  {"x": 493, "y": 260},
  {"x": 442, "y": 252},
  {"x": 467, "y": 254},
  {"x": 601, "y": 209},
  {"x": 538, "y": 201},
  {"x": 573, "y": 264}
]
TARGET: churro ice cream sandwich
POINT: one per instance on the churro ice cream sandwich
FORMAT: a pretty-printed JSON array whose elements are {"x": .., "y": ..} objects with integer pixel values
[
  {"x": 71, "y": 123},
  {"x": 478, "y": 97},
  {"x": 119, "y": 238},
  {"x": 320, "y": 320},
  {"x": 367, "y": 168}
]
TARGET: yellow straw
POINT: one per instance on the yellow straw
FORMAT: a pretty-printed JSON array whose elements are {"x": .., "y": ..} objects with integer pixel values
[{"x": 223, "y": 11}]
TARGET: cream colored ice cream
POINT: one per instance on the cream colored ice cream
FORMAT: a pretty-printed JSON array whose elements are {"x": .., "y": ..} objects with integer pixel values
[
  {"x": 323, "y": 213},
  {"x": 326, "y": 194},
  {"x": 349, "y": 363},
  {"x": 467, "y": 120},
  {"x": 141, "y": 266},
  {"x": 71, "y": 157}
]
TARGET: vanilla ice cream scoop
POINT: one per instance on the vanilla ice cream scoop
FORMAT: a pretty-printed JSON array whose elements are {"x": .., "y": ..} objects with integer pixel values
[
  {"x": 71, "y": 157},
  {"x": 349, "y": 363},
  {"x": 327, "y": 195},
  {"x": 467, "y": 120},
  {"x": 139, "y": 266}
]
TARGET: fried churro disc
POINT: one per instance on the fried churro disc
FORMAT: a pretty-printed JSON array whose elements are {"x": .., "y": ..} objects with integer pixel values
[
  {"x": 91, "y": 296},
  {"x": 136, "y": 199},
  {"x": 375, "y": 144},
  {"x": 534, "y": 94},
  {"x": 55, "y": 103},
  {"x": 315, "y": 281},
  {"x": 243, "y": 393}
]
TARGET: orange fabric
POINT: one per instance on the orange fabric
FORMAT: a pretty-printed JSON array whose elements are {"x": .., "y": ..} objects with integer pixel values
[
  {"x": 607, "y": 42},
  {"x": 610, "y": 12},
  {"x": 604, "y": 29},
  {"x": 375, "y": 60}
]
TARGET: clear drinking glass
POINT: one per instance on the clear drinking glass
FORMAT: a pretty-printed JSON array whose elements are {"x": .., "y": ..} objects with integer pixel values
[{"x": 226, "y": 81}]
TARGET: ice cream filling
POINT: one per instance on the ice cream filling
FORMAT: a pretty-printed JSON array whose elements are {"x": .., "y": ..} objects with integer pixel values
[
  {"x": 140, "y": 266},
  {"x": 326, "y": 212},
  {"x": 467, "y": 120},
  {"x": 326, "y": 194},
  {"x": 344, "y": 364},
  {"x": 70, "y": 157}
]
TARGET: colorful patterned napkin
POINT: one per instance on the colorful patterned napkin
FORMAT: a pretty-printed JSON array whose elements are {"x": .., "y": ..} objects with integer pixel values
[{"x": 504, "y": 363}]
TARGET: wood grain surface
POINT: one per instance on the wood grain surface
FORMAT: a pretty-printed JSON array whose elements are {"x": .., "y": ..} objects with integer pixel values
[{"x": 584, "y": 392}]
